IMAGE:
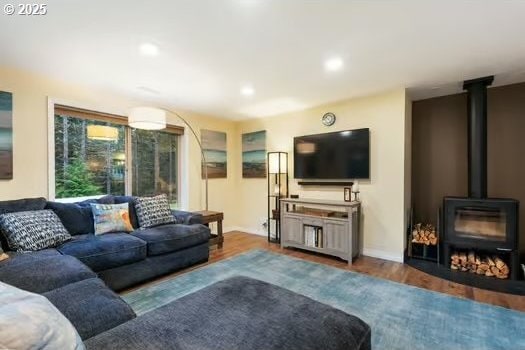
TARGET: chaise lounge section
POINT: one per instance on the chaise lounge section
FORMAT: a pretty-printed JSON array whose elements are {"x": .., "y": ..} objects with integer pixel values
[{"x": 71, "y": 286}]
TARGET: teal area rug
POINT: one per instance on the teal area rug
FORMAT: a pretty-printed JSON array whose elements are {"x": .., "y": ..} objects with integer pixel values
[{"x": 401, "y": 316}]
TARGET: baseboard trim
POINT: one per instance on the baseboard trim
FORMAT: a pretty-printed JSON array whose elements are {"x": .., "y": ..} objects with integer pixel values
[
  {"x": 231, "y": 228},
  {"x": 381, "y": 254},
  {"x": 374, "y": 253},
  {"x": 246, "y": 230}
]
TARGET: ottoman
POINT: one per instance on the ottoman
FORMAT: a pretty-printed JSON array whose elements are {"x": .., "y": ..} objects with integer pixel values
[{"x": 239, "y": 313}]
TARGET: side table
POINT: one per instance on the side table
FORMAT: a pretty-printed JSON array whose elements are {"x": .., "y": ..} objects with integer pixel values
[{"x": 213, "y": 216}]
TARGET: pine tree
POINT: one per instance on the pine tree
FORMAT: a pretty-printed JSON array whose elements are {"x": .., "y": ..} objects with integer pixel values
[{"x": 76, "y": 182}]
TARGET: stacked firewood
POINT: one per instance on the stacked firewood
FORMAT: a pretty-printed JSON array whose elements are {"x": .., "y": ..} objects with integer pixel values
[
  {"x": 425, "y": 234},
  {"x": 473, "y": 263}
]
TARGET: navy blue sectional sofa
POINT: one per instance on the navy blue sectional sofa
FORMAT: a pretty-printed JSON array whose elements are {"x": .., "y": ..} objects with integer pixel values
[
  {"x": 124, "y": 259},
  {"x": 237, "y": 313}
]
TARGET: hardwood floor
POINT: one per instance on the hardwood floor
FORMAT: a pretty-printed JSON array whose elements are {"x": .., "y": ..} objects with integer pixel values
[{"x": 236, "y": 242}]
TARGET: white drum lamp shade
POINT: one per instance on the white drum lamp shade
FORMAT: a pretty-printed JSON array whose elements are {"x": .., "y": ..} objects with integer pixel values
[
  {"x": 147, "y": 118},
  {"x": 102, "y": 133}
]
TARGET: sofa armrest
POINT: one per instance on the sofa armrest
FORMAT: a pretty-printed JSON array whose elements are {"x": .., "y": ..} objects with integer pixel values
[{"x": 187, "y": 217}]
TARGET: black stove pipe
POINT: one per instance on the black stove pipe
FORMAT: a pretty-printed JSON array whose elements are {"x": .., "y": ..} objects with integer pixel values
[{"x": 477, "y": 135}]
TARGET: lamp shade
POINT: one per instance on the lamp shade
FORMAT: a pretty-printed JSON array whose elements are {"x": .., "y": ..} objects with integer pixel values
[
  {"x": 276, "y": 158},
  {"x": 147, "y": 118},
  {"x": 102, "y": 133}
]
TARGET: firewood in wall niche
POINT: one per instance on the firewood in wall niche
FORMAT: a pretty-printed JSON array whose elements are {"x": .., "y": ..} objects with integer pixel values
[{"x": 424, "y": 234}]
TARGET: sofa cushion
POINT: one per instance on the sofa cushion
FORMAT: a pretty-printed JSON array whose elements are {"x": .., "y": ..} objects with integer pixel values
[
  {"x": 170, "y": 238},
  {"x": 90, "y": 306},
  {"x": 17, "y": 258},
  {"x": 239, "y": 313},
  {"x": 42, "y": 271},
  {"x": 78, "y": 219},
  {"x": 111, "y": 218},
  {"x": 30, "y": 321},
  {"x": 123, "y": 277},
  {"x": 153, "y": 211},
  {"x": 105, "y": 251},
  {"x": 26, "y": 204},
  {"x": 33, "y": 230}
]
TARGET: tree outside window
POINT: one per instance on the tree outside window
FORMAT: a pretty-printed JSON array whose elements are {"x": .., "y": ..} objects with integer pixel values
[{"x": 86, "y": 167}]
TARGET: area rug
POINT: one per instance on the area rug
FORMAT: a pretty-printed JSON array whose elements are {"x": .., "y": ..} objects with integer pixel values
[{"x": 401, "y": 316}]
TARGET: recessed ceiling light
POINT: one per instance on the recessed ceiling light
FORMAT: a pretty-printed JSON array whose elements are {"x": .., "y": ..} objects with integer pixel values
[
  {"x": 247, "y": 90},
  {"x": 149, "y": 49},
  {"x": 333, "y": 64}
]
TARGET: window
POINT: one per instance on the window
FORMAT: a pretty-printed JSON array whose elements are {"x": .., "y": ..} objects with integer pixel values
[
  {"x": 155, "y": 163},
  {"x": 84, "y": 165},
  {"x": 94, "y": 150}
]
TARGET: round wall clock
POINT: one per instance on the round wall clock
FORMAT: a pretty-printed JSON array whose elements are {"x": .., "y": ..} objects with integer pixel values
[{"x": 328, "y": 119}]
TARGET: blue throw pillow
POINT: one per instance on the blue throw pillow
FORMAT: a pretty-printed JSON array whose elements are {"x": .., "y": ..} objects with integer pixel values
[{"x": 111, "y": 218}]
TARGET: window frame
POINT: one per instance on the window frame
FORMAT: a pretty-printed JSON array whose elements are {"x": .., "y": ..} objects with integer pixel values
[{"x": 116, "y": 117}]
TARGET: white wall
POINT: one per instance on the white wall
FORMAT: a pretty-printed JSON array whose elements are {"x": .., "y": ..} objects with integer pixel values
[
  {"x": 30, "y": 140},
  {"x": 383, "y": 196}
]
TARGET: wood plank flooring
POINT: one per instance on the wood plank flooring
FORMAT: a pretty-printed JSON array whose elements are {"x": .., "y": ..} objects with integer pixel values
[{"x": 236, "y": 242}]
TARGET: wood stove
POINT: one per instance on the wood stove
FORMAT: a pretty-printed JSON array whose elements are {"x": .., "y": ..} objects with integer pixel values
[
  {"x": 488, "y": 225},
  {"x": 476, "y": 222}
]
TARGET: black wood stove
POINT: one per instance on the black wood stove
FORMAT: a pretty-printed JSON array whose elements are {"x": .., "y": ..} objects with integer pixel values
[{"x": 476, "y": 222}]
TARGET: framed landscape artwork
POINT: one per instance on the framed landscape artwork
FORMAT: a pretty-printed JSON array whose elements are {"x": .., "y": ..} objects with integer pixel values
[
  {"x": 254, "y": 154},
  {"x": 6, "y": 135},
  {"x": 214, "y": 147}
]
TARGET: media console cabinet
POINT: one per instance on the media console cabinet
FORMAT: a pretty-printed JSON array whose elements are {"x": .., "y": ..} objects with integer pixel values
[{"x": 322, "y": 226}]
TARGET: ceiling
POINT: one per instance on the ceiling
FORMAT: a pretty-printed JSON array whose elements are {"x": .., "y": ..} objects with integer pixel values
[{"x": 209, "y": 49}]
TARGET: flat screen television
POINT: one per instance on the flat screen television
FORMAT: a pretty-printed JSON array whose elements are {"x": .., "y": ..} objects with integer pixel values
[{"x": 335, "y": 155}]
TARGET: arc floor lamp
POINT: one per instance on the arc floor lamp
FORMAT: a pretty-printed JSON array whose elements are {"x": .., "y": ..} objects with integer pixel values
[{"x": 151, "y": 118}]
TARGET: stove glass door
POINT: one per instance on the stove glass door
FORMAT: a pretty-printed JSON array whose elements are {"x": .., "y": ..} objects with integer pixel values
[{"x": 481, "y": 223}]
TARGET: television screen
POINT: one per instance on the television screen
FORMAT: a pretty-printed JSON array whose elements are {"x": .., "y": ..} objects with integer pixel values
[{"x": 335, "y": 155}]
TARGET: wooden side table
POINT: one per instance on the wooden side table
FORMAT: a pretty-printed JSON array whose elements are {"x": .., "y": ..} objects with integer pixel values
[{"x": 213, "y": 216}]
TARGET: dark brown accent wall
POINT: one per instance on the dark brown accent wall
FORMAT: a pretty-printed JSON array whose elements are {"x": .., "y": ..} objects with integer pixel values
[{"x": 439, "y": 150}]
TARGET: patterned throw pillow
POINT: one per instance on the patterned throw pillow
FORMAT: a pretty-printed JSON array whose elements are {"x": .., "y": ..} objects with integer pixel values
[
  {"x": 33, "y": 230},
  {"x": 153, "y": 211},
  {"x": 111, "y": 218}
]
